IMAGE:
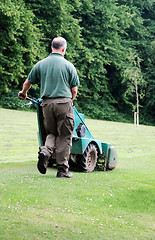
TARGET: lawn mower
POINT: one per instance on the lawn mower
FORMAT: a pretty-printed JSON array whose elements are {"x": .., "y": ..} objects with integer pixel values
[{"x": 87, "y": 153}]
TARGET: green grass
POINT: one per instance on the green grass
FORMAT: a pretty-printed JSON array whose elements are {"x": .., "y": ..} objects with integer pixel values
[{"x": 118, "y": 204}]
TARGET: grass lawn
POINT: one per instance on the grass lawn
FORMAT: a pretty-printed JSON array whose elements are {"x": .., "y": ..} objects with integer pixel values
[{"x": 118, "y": 204}]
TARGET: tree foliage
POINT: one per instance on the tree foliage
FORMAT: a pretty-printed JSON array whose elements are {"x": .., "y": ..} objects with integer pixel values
[
  {"x": 20, "y": 47},
  {"x": 105, "y": 39}
]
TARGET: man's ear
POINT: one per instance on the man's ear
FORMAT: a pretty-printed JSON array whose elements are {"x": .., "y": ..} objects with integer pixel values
[{"x": 63, "y": 50}]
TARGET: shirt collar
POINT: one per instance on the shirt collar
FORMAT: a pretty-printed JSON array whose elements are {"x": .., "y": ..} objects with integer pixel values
[{"x": 56, "y": 54}]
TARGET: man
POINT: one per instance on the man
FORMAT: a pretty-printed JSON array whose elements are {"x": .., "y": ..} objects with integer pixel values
[{"x": 59, "y": 81}]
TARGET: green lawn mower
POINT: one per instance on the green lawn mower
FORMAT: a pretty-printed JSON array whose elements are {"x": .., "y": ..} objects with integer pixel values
[{"x": 87, "y": 153}]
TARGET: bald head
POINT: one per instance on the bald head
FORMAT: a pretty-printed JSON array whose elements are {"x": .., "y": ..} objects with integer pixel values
[{"x": 59, "y": 44}]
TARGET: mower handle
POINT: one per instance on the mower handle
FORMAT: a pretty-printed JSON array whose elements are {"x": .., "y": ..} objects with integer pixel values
[{"x": 27, "y": 98}]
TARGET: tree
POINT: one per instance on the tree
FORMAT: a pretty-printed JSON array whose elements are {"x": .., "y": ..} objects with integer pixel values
[
  {"x": 134, "y": 81},
  {"x": 20, "y": 46},
  {"x": 103, "y": 24},
  {"x": 149, "y": 100},
  {"x": 107, "y": 41},
  {"x": 55, "y": 19}
]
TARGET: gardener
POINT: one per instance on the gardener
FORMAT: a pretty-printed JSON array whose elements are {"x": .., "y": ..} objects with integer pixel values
[{"x": 59, "y": 81}]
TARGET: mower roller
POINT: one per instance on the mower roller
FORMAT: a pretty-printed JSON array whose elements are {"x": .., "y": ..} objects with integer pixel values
[{"x": 87, "y": 153}]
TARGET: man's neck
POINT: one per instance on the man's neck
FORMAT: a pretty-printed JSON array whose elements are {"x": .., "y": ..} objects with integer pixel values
[{"x": 58, "y": 51}]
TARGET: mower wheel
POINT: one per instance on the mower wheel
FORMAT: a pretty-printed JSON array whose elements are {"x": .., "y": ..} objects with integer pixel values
[{"x": 87, "y": 161}]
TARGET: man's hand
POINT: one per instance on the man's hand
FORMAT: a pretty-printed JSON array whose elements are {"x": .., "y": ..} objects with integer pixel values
[{"x": 22, "y": 95}]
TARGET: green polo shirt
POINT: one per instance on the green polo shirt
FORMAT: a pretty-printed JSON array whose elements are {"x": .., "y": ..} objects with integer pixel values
[{"x": 56, "y": 75}]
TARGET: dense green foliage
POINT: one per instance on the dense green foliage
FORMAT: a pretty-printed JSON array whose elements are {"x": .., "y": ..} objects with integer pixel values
[
  {"x": 20, "y": 46},
  {"x": 111, "y": 43}
]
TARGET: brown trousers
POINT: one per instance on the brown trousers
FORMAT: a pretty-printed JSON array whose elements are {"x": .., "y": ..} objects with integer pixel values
[{"x": 59, "y": 124}]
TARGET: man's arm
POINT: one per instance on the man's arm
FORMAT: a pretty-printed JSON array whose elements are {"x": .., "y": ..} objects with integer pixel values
[
  {"x": 26, "y": 87},
  {"x": 74, "y": 92}
]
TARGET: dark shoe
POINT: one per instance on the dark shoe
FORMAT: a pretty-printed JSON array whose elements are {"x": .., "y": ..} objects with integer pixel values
[
  {"x": 42, "y": 162},
  {"x": 64, "y": 174}
]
